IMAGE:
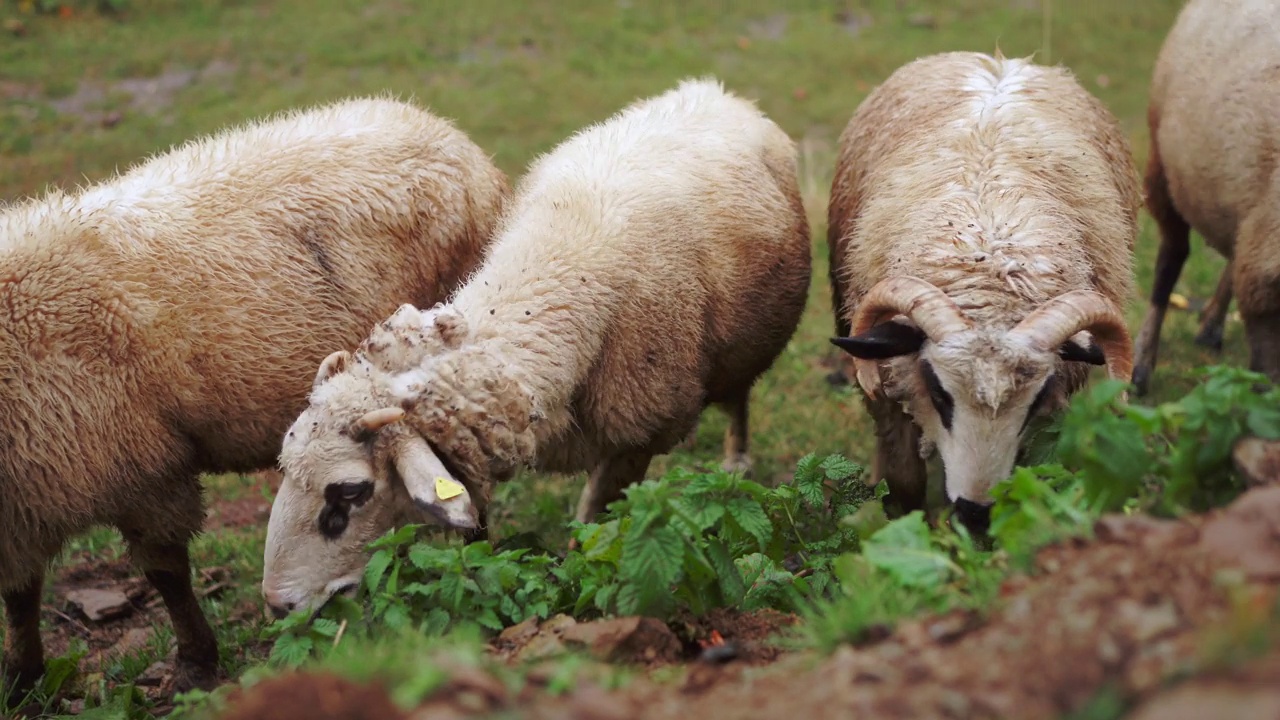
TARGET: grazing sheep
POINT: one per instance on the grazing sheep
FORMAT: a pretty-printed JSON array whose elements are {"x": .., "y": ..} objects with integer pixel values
[
  {"x": 167, "y": 322},
  {"x": 992, "y": 203},
  {"x": 1215, "y": 144},
  {"x": 650, "y": 265}
]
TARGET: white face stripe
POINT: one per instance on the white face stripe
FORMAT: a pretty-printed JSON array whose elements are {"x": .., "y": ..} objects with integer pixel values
[{"x": 992, "y": 389}]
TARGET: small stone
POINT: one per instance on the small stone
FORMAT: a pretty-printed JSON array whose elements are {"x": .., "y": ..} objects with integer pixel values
[
  {"x": 1147, "y": 622},
  {"x": 132, "y": 641},
  {"x": 520, "y": 633},
  {"x": 624, "y": 639},
  {"x": 100, "y": 605},
  {"x": 1257, "y": 460},
  {"x": 112, "y": 119}
]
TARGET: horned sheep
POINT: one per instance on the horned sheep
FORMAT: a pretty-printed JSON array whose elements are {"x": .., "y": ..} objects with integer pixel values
[
  {"x": 981, "y": 230},
  {"x": 1214, "y": 120},
  {"x": 650, "y": 265},
  {"x": 167, "y": 321}
]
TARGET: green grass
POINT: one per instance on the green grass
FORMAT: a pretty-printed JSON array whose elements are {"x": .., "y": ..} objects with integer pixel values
[{"x": 519, "y": 77}]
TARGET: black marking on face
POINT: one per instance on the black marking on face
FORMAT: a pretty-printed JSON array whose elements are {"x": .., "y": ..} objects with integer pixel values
[
  {"x": 339, "y": 498},
  {"x": 1050, "y": 384},
  {"x": 942, "y": 400},
  {"x": 886, "y": 340}
]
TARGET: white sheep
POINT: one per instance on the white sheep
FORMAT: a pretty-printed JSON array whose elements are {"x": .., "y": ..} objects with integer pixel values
[
  {"x": 991, "y": 203},
  {"x": 648, "y": 266},
  {"x": 167, "y": 321},
  {"x": 1215, "y": 145}
]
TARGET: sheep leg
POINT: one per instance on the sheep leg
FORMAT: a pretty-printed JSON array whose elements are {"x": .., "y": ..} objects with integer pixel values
[
  {"x": 897, "y": 460},
  {"x": 23, "y": 651},
  {"x": 1175, "y": 246},
  {"x": 167, "y": 567},
  {"x": 1213, "y": 318},
  {"x": 737, "y": 436},
  {"x": 609, "y": 479},
  {"x": 1257, "y": 288},
  {"x": 690, "y": 441}
]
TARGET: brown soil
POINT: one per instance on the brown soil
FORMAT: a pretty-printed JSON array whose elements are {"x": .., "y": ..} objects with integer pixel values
[{"x": 1126, "y": 615}]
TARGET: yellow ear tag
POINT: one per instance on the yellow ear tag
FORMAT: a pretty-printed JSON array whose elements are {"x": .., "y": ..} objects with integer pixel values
[{"x": 446, "y": 488}]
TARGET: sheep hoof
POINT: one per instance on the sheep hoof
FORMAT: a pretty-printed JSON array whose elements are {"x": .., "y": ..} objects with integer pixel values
[
  {"x": 188, "y": 675},
  {"x": 1210, "y": 337},
  {"x": 737, "y": 464}
]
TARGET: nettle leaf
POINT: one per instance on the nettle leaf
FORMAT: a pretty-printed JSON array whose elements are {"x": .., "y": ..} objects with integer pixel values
[
  {"x": 324, "y": 627},
  {"x": 904, "y": 550},
  {"x": 807, "y": 469},
  {"x": 428, "y": 557},
  {"x": 377, "y": 567},
  {"x": 489, "y": 619},
  {"x": 292, "y": 650},
  {"x": 750, "y": 518},
  {"x": 436, "y": 621},
  {"x": 395, "y": 538},
  {"x": 1264, "y": 422},
  {"x": 651, "y": 562},
  {"x": 728, "y": 575},
  {"x": 838, "y": 468}
]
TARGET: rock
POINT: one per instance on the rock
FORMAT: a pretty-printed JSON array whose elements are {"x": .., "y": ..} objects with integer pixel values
[
  {"x": 1220, "y": 701},
  {"x": 101, "y": 605},
  {"x": 133, "y": 641},
  {"x": 629, "y": 639},
  {"x": 1257, "y": 460},
  {"x": 520, "y": 633},
  {"x": 1147, "y": 622},
  {"x": 1247, "y": 534}
]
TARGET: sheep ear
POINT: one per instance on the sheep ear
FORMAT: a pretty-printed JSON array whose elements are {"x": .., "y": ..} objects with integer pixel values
[
  {"x": 433, "y": 489},
  {"x": 330, "y": 366},
  {"x": 886, "y": 340},
  {"x": 1087, "y": 352}
]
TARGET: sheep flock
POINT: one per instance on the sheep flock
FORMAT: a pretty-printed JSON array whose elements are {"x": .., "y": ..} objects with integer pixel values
[{"x": 355, "y": 293}]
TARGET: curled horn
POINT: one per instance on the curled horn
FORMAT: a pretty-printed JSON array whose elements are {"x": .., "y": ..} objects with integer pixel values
[
  {"x": 1051, "y": 324},
  {"x": 922, "y": 302}
]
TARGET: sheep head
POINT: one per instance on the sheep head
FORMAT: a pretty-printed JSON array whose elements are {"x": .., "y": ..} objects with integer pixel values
[
  {"x": 973, "y": 389},
  {"x": 352, "y": 471}
]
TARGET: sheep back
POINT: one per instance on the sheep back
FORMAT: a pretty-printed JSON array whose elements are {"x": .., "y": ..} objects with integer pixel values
[{"x": 170, "y": 320}]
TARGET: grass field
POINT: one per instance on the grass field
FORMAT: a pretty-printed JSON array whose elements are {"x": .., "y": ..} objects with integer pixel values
[{"x": 84, "y": 91}]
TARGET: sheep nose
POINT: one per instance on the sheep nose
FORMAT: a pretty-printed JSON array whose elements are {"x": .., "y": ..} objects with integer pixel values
[
  {"x": 976, "y": 517},
  {"x": 279, "y": 607}
]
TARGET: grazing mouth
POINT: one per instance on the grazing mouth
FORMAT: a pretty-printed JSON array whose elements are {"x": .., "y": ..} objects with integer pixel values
[{"x": 346, "y": 589}]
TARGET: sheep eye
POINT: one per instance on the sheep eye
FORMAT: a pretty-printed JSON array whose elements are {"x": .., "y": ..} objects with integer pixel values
[
  {"x": 942, "y": 400},
  {"x": 351, "y": 492}
]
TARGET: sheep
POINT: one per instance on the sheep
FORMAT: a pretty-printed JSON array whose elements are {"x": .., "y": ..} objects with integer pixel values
[
  {"x": 650, "y": 265},
  {"x": 167, "y": 321},
  {"x": 1215, "y": 97},
  {"x": 991, "y": 203}
]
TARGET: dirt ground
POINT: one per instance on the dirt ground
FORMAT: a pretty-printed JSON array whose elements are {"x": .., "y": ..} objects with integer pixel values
[{"x": 1123, "y": 619}]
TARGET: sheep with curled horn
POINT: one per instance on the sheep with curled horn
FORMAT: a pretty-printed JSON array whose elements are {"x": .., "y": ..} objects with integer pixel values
[{"x": 981, "y": 230}]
